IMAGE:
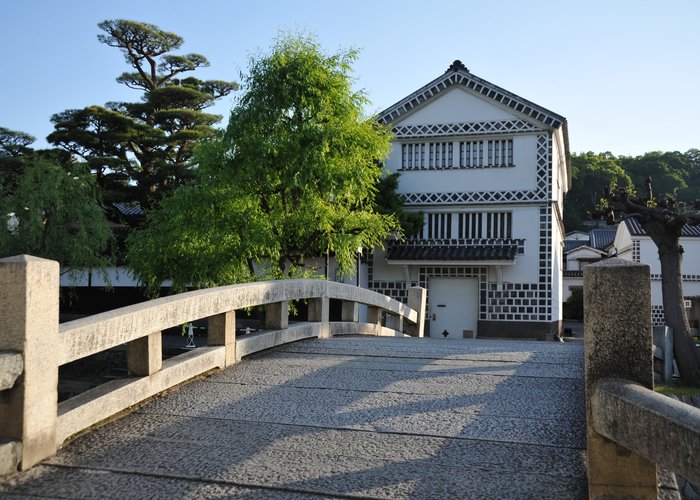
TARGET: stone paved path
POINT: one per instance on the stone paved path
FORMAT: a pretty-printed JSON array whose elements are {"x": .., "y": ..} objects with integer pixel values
[{"x": 346, "y": 417}]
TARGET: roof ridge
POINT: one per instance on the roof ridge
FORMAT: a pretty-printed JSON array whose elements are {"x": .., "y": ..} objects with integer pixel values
[{"x": 458, "y": 74}]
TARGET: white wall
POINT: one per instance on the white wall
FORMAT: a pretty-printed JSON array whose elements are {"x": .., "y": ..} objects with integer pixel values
[
  {"x": 556, "y": 265},
  {"x": 690, "y": 289},
  {"x": 575, "y": 257},
  {"x": 691, "y": 255},
  {"x": 522, "y": 176},
  {"x": 559, "y": 172},
  {"x": 526, "y": 225},
  {"x": 623, "y": 242},
  {"x": 457, "y": 105},
  {"x": 383, "y": 271}
]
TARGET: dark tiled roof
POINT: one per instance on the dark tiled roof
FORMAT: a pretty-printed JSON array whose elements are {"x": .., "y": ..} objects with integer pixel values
[
  {"x": 129, "y": 209},
  {"x": 569, "y": 245},
  {"x": 635, "y": 229},
  {"x": 452, "y": 252},
  {"x": 602, "y": 238}
]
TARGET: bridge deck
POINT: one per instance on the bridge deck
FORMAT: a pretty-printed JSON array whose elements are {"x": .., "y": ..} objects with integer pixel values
[{"x": 352, "y": 416}]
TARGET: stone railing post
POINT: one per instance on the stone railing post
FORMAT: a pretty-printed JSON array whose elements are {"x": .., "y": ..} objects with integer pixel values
[
  {"x": 417, "y": 297},
  {"x": 395, "y": 322},
  {"x": 222, "y": 331},
  {"x": 319, "y": 311},
  {"x": 144, "y": 356},
  {"x": 350, "y": 311},
  {"x": 29, "y": 289},
  {"x": 277, "y": 316},
  {"x": 374, "y": 316},
  {"x": 617, "y": 319}
]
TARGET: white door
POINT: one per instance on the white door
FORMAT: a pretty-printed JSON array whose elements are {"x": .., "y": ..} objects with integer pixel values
[{"x": 454, "y": 307}]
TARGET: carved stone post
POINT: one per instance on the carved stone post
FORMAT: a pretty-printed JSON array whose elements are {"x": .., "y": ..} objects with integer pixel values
[
  {"x": 617, "y": 309},
  {"x": 29, "y": 313}
]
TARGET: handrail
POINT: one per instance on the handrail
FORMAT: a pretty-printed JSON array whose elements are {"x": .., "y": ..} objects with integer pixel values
[
  {"x": 93, "y": 334},
  {"x": 630, "y": 428},
  {"x": 640, "y": 419},
  {"x": 29, "y": 290}
]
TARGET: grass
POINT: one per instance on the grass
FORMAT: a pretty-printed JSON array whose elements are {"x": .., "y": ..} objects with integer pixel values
[{"x": 677, "y": 389}]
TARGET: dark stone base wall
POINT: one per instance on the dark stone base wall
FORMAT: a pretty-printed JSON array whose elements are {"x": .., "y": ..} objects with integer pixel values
[{"x": 519, "y": 330}]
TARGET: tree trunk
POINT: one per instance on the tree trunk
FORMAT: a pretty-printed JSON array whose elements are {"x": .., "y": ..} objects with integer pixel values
[{"x": 684, "y": 350}]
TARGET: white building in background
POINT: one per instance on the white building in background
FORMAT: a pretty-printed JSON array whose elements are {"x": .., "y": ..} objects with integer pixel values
[
  {"x": 581, "y": 249},
  {"x": 489, "y": 170},
  {"x": 632, "y": 243}
]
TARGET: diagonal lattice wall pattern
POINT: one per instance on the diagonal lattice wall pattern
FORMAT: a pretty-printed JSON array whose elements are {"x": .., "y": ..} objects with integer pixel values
[{"x": 467, "y": 128}]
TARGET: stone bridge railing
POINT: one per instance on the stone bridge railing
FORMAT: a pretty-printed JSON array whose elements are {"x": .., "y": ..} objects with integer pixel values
[
  {"x": 33, "y": 425},
  {"x": 631, "y": 428}
]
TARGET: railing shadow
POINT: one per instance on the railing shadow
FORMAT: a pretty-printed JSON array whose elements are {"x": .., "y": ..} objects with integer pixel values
[{"x": 344, "y": 417}]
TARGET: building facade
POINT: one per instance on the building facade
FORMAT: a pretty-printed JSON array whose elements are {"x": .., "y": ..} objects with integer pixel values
[
  {"x": 582, "y": 249},
  {"x": 632, "y": 243},
  {"x": 489, "y": 170}
]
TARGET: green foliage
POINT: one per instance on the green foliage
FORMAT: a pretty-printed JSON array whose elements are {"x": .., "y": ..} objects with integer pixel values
[
  {"x": 14, "y": 146},
  {"x": 672, "y": 172},
  {"x": 573, "y": 307},
  {"x": 54, "y": 213},
  {"x": 389, "y": 202},
  {"x": 590, "y": 173},
  {"x": 14, "y": 143},
  {"x": 294, "y": 175},
  {"x": 141, "y": 151}
]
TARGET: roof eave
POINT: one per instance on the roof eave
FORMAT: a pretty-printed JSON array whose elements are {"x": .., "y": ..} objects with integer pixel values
[
  {"x": 451, "y": 262},
  {"x": 478, "y": 85}
]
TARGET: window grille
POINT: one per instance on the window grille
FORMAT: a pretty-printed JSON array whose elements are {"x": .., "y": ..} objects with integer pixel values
[
  {"x": 468, "y": 225},
  {"x": 471, "y": 154}
]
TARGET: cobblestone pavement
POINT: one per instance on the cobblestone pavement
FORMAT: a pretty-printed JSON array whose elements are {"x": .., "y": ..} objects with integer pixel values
[{"x": 346, "y": 417}]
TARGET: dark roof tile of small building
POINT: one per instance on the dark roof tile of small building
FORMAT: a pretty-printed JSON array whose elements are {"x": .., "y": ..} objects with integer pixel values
[
  {"x": 636, "y": 229},
  {"x": 602, "y": 238},
  {"x": 452, "y": 252}
]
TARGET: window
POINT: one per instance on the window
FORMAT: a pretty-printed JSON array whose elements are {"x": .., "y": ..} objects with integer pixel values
[
  {"x": 413, "y": 156},
  {"x": 440, "y": 155},
  {"x": 499, "y": 153},
  {"x": 498, "y": 224},
  {"x": 438, "y": 226},
  {"x": 468, "y": 225},
  {"x": 471, "y": 154}
]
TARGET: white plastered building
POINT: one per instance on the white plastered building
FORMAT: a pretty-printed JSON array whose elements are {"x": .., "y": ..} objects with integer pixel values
[
  {"x": 489, "y": 171},
  {"x": 632, "y": 243}
]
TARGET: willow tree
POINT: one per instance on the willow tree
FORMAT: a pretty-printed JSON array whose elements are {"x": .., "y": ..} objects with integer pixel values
[
  {"x": 54, "y": 212},
  {"x": 140, "y": 151},
  {"x": 294, "y": 176},
  {"x": 663, "y": 220}
]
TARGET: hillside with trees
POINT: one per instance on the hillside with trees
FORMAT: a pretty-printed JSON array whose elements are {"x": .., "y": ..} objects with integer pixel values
[{"x": 672, "y": 172}]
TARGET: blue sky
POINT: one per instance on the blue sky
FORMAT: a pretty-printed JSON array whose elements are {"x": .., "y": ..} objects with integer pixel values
[{"x": 624, "y": 73}]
